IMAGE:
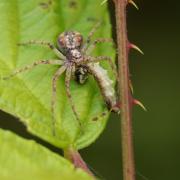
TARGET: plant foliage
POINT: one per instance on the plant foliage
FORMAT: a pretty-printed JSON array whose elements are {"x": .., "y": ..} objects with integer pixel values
[{"x": 27, "y": 95}]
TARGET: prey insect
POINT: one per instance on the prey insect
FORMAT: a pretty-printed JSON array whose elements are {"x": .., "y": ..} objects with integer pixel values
[{"x": 73, "y": 58}]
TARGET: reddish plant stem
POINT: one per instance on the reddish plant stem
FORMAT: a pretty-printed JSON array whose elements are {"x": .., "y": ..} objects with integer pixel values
[
  {"x": 124, "y": 91},
  {"x": 74, "y": 156}
]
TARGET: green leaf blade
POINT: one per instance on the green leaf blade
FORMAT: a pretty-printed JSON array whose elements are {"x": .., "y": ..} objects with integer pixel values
[
  {"x": 25, "y": 159},
  {"x": 28, "y": 95}
]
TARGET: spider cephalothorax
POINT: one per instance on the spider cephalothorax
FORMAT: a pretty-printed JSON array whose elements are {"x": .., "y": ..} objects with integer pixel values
[
  {"x": 74, "y": 59},
  {"x": 70, "y": 43}
]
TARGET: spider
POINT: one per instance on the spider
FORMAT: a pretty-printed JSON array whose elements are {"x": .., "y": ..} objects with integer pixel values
[{"x": 73, "y": 58}]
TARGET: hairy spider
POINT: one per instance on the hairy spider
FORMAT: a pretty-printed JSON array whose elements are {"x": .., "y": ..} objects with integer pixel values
[{"x": 73, "y": 56}]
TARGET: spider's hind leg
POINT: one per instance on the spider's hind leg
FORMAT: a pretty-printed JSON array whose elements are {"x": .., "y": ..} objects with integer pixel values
[
  {"x": 67, "y": 84},
  {"x": 54, "y": 89}
]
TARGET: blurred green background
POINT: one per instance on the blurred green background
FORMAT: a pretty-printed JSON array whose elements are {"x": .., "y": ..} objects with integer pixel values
[{"x": 155, "y": 28}]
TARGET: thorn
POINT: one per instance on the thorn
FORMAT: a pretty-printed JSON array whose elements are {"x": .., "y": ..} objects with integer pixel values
[
  {"x": 135, "y": 101},
  {"x": 133, "y": 46},
  {"x": 131, "y": 86},
  {"x": 103, "y": 2},
  {"x": 133, "y": 3}
]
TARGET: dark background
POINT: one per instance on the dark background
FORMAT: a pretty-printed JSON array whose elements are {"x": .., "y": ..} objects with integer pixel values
[{"x": 156, "y": 29}]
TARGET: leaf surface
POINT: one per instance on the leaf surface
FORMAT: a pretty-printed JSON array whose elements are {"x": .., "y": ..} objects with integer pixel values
[
  {"x": 28, "y": 95},
  {"x": 24, "y": 159}
]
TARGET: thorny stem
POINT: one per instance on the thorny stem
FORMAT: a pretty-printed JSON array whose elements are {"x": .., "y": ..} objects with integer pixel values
[
  {"x": 124, "y": 91},
  {"x": 74, "y": 156}
]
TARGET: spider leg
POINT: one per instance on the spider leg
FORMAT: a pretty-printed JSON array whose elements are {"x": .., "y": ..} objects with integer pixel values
[
  {"x": 91, "y": 59},
  {"x": 44, "y": 43},
  {"x": 31, "y": 66},
  {"x": 91, "y": 33},
  {"x": 67, "y": 84},
  {"x": 54, "y": 89},
  {"x": 89, "y": 49}
]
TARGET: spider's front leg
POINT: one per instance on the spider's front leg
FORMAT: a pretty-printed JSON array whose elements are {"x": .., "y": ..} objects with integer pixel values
[
  {"x": 91, "y": 47},
  {"x": 67, "y": 84},
  {"x": 88, "y": 40},
  {"x": 44, "y": 43},
  {"x": 54, "y": 89},
  {"x": 31, "y": 66}
]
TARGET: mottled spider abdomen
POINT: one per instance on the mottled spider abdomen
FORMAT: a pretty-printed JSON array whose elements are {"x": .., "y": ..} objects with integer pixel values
[{"x": 81, "y": 74}]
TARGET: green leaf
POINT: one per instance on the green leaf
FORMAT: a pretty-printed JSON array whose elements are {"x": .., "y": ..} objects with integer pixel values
[
  {"x": 28, "y": 95},
  {"x": 24, "y": 159}
]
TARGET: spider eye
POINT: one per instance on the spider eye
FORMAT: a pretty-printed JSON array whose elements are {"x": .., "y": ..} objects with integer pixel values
[
  {"x": 79, "y": 39},
  {"x": 61, "y": 41}
]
